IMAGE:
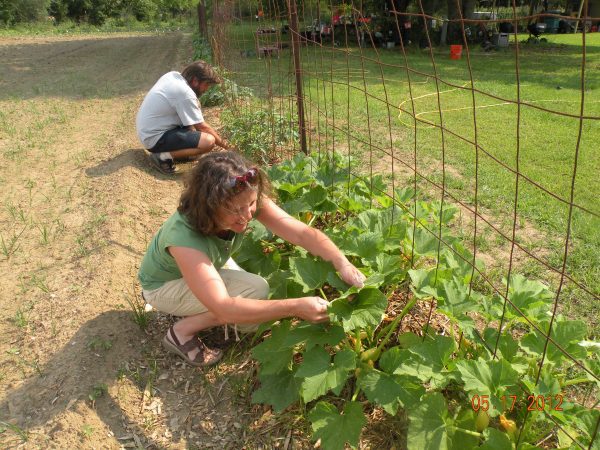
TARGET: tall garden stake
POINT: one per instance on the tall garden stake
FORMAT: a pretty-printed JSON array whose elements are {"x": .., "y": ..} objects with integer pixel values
[{"x": 293, "y": 15}]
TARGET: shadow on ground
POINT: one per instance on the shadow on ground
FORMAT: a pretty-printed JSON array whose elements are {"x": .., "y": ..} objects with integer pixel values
[
  {"x": 134, "y": 157},
  {"x": 137, "y": 393},
  {"x": 137, "y": 158}
]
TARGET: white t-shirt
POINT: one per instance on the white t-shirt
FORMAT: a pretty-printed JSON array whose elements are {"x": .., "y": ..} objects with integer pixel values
[{"x": 171, "y": 103}]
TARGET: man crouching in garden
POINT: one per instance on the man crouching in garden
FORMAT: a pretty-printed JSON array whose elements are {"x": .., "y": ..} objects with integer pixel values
[{"x": 170, "y": 123}]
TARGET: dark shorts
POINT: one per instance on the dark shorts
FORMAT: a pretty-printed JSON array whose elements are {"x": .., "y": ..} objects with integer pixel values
[{"x": 177, "y": 139}]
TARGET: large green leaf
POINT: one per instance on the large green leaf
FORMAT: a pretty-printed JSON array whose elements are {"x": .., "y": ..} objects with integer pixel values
[
  {"x": 366, "y": 309},
  {"x": 335, "y": 429},
  {"x": 310, "y": 273},
  {"x": 428, "y": 429},
  {"x": 387, "y": 223},
  {"x": 428, "y": 361},
  {"x": 332, "y": 172},
  {"x": 383, "y": 199},
  {"x": 566, "y": 333},
  {"x": 282, "y": 285},
  {"x": 279, "y": 390},
  {"x": 423, "y": 282},
  {"x": 376, "y": 184},
  {"x": 354, "y": 202},
  {"x": 496, "y": 440},
  {"x": 320, "y": 375},
  {"x": 408, "y": 339},
  {"x": 547, "y": 386},
  {"x": 369, "y": 220},
  {"x": 420, "y": 211},
  {"x": 404, "y": 195},
  {"x": 461, "y": 267},
  {"x": 492, "y": 378},
  {"x": 507, "y": 346},
  {"x": 335, "y": 281},
  {"x": 527, "y": 295},
  {"x": 252, "y": 258},
  {"x": 294, "y": 171},
  {"x": 577, "y": 421},
  {"x": 437, "y": 350},
  {"x": 390, "y": 391},
  {"x": 391, "y": 359},
  {"x": 374, "y": 281},
  {"x": 593, "y": 365},
  {"x": 464, "y": 418},
  {"x": 392, "y": 267},
  {"x": 294, "y": 206},
  {"x": 315, "y": 196},
  {"x": 587, "y": 420},
  {"x": 273, "y": 355},
  {"x": 326, "y": 206},
  {"x": 455, "y": 300},
  {"x": 293, "y": 187},
  {"x": 366, "y": 245},
  {"x": 425, "y": 242},
  {"x": 257, "y": 231},
  {"x": 388, "y": 264},
  {"x": 315, "y": 334},
  {"x": 447, "y": 214}
]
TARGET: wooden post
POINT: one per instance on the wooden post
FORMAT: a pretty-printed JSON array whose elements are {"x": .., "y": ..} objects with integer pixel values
[{"x": 293, "y": 17}]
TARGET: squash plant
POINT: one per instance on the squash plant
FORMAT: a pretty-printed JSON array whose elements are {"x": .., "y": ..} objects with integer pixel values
[{"x": 472, "y": 387}]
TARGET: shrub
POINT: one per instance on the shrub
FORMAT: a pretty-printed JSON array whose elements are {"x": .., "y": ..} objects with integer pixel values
[
  {"x": 257, "y": 133},
  {"x": 18, "y": 11}
]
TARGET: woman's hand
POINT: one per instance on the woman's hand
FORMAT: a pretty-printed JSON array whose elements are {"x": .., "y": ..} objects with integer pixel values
[
  {"x": 351, "y": 275},
  {"x": 313, "y": 309}
]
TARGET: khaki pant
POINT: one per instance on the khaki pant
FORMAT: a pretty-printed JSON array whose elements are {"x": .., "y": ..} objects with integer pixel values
[{"x": 176, "y": 298}]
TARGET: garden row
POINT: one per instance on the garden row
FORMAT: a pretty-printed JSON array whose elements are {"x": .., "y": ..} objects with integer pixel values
[{"x": 487, "y": 377}]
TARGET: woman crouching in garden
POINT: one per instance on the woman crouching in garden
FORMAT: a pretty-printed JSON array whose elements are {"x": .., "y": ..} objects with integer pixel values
[{"x": 187, "y": 270}]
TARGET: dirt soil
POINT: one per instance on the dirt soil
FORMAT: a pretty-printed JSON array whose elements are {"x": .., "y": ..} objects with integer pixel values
[{"x": 80, "y": 202}]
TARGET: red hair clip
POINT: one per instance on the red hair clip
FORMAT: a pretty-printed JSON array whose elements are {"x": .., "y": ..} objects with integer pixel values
[{"x": 240, "y": 182}]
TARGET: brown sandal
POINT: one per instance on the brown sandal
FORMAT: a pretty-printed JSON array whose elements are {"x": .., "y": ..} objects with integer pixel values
[{"x": 205, "y": 357}]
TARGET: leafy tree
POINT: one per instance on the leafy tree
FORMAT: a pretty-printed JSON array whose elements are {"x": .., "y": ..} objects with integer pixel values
[
  {"x": 141, "y": 9},
  {"x": 92, "y": 11},
  {"x": 175, "y": 7},
  {"x": 97, "y": 11},
  {"x": 17, "y": 11}
]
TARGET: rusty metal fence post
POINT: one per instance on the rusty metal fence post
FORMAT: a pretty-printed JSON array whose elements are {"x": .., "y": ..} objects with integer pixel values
[{"x": 293, "y": 17}]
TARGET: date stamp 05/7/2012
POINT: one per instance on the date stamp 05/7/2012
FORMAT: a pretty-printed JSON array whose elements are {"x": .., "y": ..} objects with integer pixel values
[{"x": 534, "y": 402}]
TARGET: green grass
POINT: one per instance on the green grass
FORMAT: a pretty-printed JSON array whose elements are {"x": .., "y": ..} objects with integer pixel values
[{"x": 345, "y": 94}]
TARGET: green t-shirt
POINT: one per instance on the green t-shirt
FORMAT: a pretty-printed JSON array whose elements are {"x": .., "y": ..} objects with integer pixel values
[{"x": 158, "y": 266}]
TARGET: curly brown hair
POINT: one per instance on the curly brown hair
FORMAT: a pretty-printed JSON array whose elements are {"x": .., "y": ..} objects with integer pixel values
[
  {"x": 208, "y": 186},
  {"x": 202, "y": 71}
]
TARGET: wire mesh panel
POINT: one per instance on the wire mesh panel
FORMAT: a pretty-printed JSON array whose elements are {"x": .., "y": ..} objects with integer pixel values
[{"x": 483, "y": 128}]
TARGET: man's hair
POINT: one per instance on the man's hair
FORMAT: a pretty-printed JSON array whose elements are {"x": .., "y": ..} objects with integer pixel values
[
  {"x": 202, "y": 71},
  {"x": 208, "y": 186}
]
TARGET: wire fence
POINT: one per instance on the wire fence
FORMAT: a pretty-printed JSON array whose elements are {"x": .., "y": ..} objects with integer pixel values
[{"x": 504, "y": 122}]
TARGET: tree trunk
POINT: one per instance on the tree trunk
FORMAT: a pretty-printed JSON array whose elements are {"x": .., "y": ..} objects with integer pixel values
[
  {"x": 455, "y": 35},
  {"x": 202, "y": 23},
  {"x": 467, "y": 7}
]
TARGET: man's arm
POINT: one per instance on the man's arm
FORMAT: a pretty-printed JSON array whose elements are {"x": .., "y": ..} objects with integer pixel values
[{"x": 204, "y": 127}]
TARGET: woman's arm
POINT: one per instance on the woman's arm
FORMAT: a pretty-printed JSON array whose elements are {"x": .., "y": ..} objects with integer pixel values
[
  {"x": 313, "y": 240},
  {"x": 207, "y": 285}
]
